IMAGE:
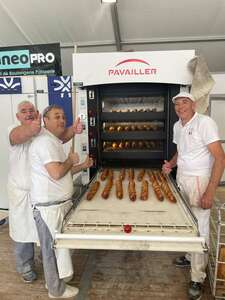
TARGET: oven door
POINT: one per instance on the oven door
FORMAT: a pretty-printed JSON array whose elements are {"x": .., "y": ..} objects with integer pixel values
[{"x": 115, "y": 224}]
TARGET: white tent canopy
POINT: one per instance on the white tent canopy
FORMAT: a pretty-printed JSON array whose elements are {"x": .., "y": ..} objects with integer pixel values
[{"x": 127, "y": 25}]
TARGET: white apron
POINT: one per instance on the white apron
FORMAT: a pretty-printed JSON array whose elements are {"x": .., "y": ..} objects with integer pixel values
[
  {"x": 193, "y": 187},
  {"x": 53, "y": 217},
  {"x": 22, "y": 227}
]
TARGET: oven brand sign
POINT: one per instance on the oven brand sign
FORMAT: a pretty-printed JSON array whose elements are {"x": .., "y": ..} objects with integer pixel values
[{"x": 122, "y": 68}]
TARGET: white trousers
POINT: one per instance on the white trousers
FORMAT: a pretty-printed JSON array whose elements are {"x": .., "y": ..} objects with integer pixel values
[{"x": 193, "y": 188}]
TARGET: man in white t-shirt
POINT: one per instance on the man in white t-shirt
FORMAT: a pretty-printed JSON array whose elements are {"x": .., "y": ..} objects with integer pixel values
[
  {"x": 200, "y": 164},
  {"x": 51, "y": 196}
]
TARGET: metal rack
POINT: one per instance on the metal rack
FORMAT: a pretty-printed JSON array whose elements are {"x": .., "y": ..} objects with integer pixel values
[
  {"x": 216, "y": 265},
  {"x": 156, "y": 225}
]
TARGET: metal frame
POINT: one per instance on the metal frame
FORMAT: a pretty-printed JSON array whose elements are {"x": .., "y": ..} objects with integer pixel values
[
  {"x": 147, "y": 234},
  {"x": 217, "y": 239}
]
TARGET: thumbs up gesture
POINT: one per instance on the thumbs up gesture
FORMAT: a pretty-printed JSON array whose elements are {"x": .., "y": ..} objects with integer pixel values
[
  {"x": 167, "y": 168},
  {"x": 77, "y": 126},
  {"x": 36, "y": 125}
]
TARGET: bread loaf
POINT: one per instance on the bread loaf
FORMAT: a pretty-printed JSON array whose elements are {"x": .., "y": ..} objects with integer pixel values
[
  {"x": 93, "y": 190},
  {"x": 107, "y": 188},
  {"x": 104, "y": 174},
  {"x": 155, "y": 186},
  {"x": 165, "y": 187},
  {"x": 144, "y": 190},
  {"x": 131, "y": 174},
  {"x": 141, "y": 175},
  {"x": 122, "y": 174},
  {"x": 119, "y": 189},
  {"x": 132, "y": 190}
]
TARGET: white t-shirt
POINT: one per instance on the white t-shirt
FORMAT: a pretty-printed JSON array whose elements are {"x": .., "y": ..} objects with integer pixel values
[
  {"x": 19, "y": 171},
  {"x": 194, "y": 158},
  {"x": 43, "y": 150}
]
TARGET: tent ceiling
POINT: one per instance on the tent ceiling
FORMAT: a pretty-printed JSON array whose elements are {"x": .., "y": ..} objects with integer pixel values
[{"x": 129, "y": 25}]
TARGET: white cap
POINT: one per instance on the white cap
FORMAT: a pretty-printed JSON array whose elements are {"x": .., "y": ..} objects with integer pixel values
[{"x": 183, "y": 95}]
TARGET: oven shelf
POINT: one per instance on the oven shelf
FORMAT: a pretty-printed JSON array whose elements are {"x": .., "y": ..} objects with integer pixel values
[
  {"x": 132, "y": 116},
  {"x": 133, "y": 135},
  {"x": 132, "y": 154}
]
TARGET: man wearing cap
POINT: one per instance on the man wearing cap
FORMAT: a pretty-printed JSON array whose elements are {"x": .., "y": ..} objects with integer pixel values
[{"x": 200, "y": 165}]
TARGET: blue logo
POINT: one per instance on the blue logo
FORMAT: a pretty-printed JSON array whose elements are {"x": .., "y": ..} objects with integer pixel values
[
  {"x": 64, "y": 86},
  {"x": 59, "y": 92},
  {"x": 17, "y": 59},
  {"x": 10, "y": 85}
]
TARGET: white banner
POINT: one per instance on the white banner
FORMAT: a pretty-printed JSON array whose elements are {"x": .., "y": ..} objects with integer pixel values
[{"x": 124, "y": 67}]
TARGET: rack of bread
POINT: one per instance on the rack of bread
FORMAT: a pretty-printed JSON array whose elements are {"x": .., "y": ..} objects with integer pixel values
[
  {"x": 132, "y": 145},
  {"x": 135, "y": 126},
  {"x": 131, "y": 209}
]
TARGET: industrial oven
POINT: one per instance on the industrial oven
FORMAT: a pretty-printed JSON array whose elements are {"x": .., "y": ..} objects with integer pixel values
[{"x": 124, "y": 102}]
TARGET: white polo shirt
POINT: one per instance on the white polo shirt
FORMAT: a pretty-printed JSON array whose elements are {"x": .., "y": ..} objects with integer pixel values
[
  {"x": 194, "y": 158},
  {"x": 43, "y": 150}
]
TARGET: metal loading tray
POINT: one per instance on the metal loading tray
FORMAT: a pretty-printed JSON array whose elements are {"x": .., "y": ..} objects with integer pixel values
[{"x": 155, "y": 225}]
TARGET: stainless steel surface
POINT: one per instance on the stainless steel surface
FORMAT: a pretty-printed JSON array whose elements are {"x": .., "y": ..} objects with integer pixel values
[{"x": 155, "y": 225}]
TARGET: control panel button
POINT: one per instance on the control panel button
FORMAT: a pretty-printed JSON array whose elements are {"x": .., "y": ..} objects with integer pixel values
[
  {"x": 84, "y": 147},
  {"x": 92, "y": 121}
]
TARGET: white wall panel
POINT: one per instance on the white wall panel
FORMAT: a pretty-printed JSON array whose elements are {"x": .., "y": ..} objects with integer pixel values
[
  {"x": 217, "y": 113},
  {"x": 41, "y": 85}
]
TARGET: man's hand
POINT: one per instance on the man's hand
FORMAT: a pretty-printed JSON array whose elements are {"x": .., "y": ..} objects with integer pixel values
[
  {"x": 88, "y": 162},
  {"x": 166, "y": 168},
  {"x": 36, "y": 125},
  {"x": 74, "y": 157},
  {"x": 206, "y": 201},
  {"x": 77, "y": 126}
]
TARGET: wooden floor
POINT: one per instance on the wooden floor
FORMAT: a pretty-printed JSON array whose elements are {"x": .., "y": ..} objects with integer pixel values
[{"x": 104, "y": 275}]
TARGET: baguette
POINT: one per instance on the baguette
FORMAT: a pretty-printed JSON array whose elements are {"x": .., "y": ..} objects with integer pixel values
[
  {"x": 156, "y": 186},
  {"x": 119, "y": 189},
  {"x": 131, "y": 174},
  {"x": 132, "y": 190},
  {"x": 122, "y": 174},
  {"x": 144, "y": 190},
  {"x": 165, "y": 188},
  {"x": 141, "y": 175},
  {"x": 107, "y": 188},
  {"x": 93, "y": 190},
  {"x": 104, "y": 174}
]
